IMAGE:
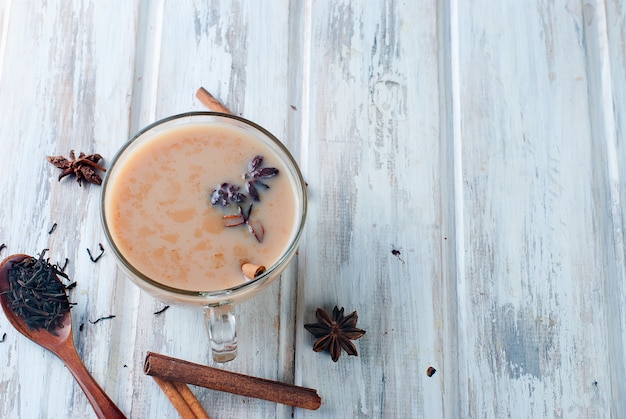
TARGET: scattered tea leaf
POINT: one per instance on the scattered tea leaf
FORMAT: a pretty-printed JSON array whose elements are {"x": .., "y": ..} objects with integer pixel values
[
  {"x": 397, "y": 254},
  {"x": 161, "y": 311},
  {"x": 97, "y": 258},
  {"x": 62, "y": 268},
  {"x": 102, "y": 318}
]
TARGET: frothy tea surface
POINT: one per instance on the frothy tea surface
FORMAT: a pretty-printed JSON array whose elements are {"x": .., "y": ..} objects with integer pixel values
[{"x": 160, "y": 216}]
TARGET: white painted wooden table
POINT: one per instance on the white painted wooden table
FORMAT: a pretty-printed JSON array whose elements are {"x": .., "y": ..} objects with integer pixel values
[{"x": 466, "y": 164}]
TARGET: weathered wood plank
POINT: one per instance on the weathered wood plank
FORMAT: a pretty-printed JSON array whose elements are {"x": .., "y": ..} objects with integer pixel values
[
  {"x": 62, "y": 89},
  {"x": 534, "y": 337},
  {"x": 610, "y": 64},
  {"x": 465, "y": 167},
  {"x": 243, "y": 61},
  {"x": 375, "y": 236}
]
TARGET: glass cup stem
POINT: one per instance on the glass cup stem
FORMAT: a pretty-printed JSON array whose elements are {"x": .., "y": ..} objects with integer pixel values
[{"x": 222, "y": 328}]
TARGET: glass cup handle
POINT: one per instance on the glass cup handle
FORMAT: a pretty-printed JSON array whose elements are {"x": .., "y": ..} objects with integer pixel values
[{"x": 222, "y": 327}]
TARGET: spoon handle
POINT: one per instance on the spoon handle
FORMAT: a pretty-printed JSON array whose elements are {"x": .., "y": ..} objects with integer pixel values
[{"x": 104, "y": 407}]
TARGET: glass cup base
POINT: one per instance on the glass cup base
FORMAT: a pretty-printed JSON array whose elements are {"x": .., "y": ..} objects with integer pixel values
[{"x": 222, "y": 327}]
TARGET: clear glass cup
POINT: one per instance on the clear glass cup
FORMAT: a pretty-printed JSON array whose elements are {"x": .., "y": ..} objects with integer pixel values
[{"x": 218, "y": 305}]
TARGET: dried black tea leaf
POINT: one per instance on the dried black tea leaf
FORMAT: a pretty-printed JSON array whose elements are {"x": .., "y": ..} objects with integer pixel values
[{"x": 36, "y": 293}]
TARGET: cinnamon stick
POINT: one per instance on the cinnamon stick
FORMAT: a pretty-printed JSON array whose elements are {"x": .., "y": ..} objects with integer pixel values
[
  {"x": 178, "y": 401},
  {"x": 191, "y": 400},
  {"x": 210, "y": 102},
  {"x": 178, "y": 370},
  {"x": 250, "y": 270}
]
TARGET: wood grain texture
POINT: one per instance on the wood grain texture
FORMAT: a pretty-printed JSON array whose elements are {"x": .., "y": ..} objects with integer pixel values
[
  {"x": 537, "y": 260},
  {"x": 196, "y": 46},
  {"x": 611, "y": 30},
  {"x": 375, "y": 228},
  {"x": 465, "y": 164},
  {"x": 58, "y": 96}
]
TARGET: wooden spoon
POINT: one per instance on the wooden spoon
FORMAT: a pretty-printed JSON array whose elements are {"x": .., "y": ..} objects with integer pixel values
[{"x": 62, "y": 345}]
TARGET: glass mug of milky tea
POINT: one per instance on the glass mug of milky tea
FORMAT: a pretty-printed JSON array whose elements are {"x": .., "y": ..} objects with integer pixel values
[{"x": 204, "y": 209}]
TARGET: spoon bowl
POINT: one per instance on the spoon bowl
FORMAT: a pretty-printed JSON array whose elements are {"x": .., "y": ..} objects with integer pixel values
[{"x": 61, "y": 343}]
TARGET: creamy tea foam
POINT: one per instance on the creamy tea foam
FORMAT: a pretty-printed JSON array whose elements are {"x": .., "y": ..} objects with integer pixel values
[{"x": 160, "y": 215}]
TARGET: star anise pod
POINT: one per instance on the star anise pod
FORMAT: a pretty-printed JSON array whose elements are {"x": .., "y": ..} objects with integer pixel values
[
  {"x": 227, "y": 193},
  {"x": 335, "y": 333},
  {"x": 84, "y": 167},
  {"x": 254, "y": 175}
]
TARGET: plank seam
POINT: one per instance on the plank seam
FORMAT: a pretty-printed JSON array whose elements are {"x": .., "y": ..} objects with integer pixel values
[
  {"x": 5, "y": 34},
  {"x": 459, "y": 219}
]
